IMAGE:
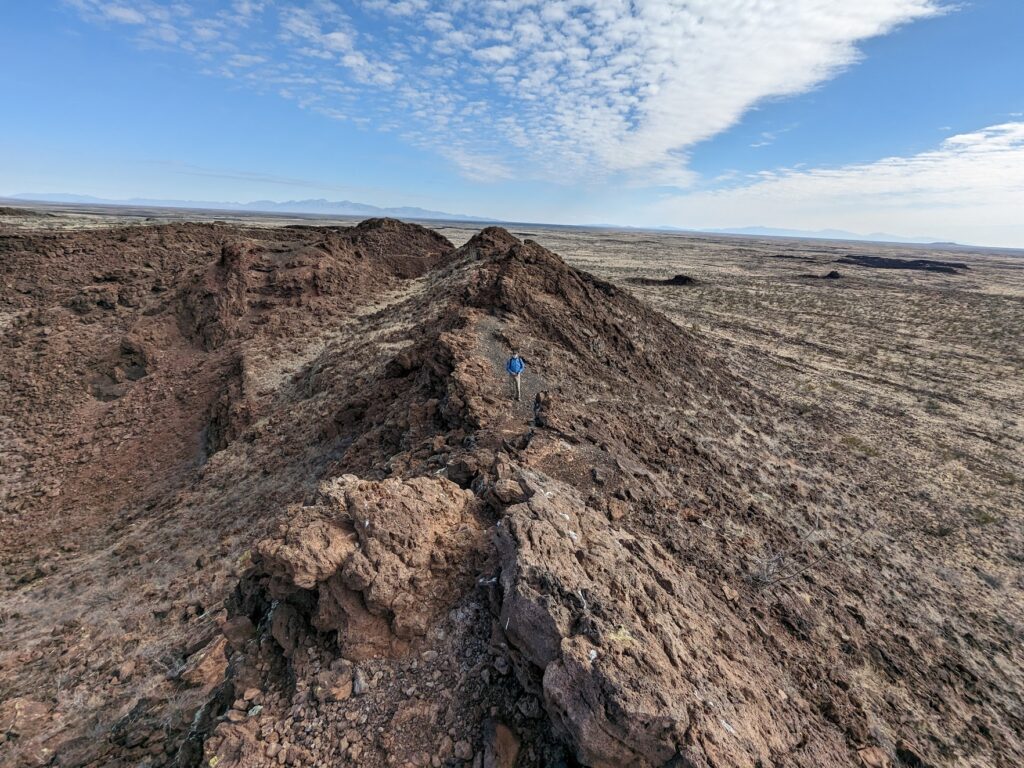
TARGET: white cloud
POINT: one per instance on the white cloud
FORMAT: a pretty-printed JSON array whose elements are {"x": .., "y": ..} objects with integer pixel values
[
  {"x": 970, "y": 188},
  {"x": 248, "y": 8},
  {"x": 206, "y": 31},
  {"x": 164, "y": 33},
  {"x": 300, "y": 22},
  {"x": 337, "y": 41},
  {"x": 565, "y": 90},
  {"x": 496, "y": 54},
  {"x": 397, "y": 7},
  {"x": 476, "y": 167},
  {"x": 122, "y": 14},
  {"x": 153, "y": 23},
  {"x": 245, "y": 60},
  {"x": 612, "y": 87},
  {"x": 576, "y": 89}
]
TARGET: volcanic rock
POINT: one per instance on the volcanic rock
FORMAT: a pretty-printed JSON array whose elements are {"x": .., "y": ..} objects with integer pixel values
[{"x": 285, "y": 460}]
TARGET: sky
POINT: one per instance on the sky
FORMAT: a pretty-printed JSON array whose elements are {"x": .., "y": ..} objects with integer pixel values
[{"x": 893, "y": 116}]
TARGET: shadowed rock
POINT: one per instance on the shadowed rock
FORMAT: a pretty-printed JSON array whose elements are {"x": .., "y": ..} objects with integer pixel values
[{"x": 921, "y": 265}]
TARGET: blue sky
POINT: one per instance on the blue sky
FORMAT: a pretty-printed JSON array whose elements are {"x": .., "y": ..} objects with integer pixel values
[{"x": 901, "y": 116}]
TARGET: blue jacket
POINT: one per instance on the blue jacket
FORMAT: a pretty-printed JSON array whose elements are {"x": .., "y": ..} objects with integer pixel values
[{"x": 515, "y": 365}]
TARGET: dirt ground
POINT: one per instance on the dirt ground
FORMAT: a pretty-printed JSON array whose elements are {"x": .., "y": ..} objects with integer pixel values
[{"x": 265, "y": 499}]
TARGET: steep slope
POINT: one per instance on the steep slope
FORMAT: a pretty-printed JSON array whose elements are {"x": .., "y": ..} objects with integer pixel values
[
  {"x": 365, "y": 553},
  {"x": 119, "y": 399}
]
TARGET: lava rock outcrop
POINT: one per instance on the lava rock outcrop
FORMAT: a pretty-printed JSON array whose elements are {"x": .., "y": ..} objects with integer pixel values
[{"x": 305, "y": 525}]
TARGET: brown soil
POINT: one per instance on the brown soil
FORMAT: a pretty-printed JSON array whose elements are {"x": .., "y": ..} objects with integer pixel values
[{"x": 267, "y": 502}]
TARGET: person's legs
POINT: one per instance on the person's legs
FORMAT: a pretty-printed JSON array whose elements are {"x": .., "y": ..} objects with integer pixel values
[{"x": 518, "y": 386}]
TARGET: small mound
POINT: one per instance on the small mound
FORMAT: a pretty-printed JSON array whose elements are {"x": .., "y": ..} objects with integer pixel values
[
  {"x": 675, "y": 280},
  {"x": 490, "y": 241},
  {"x": 410, "y": 250},
  {"x": 273, "y": 288},
  {"x": 10, "y": 212}
]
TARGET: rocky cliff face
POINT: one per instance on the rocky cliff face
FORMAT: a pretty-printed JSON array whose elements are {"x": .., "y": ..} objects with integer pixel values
[{"x": 358, "y": 550}]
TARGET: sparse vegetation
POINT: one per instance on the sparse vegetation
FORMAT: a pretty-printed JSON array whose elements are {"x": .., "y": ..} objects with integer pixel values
[
  {"x": 984, "y": 516},
  {"x": 859, "y": 445}
]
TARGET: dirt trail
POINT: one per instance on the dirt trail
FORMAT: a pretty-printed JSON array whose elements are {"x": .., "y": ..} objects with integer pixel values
[{"x": 495, "y": 345}]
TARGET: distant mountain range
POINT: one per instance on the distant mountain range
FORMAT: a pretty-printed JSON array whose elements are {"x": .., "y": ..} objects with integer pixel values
[
  {"x": 348, "y": 208},
  {"x": 320, "y": 206}
]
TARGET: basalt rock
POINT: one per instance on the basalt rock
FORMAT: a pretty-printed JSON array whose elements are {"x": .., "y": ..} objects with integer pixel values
[
  {"x": 620, "y": 637},
  {"x": 379, "y": 559},
  {"x": 305, "y": 524}
]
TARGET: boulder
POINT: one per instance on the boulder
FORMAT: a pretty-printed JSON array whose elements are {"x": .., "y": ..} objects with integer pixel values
[
  {"x": 238, "y": 630},
  {"x": 205, "y": 668},
  {"x": 23, "y": 717},
  {"x": 383, "y": 558},
  {"x": 501, "y": 745},
  {"x": 335, "y": 684}
]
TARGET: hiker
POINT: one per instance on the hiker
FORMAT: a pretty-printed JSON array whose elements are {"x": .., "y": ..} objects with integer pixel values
[{"x": 515, "y": 366}]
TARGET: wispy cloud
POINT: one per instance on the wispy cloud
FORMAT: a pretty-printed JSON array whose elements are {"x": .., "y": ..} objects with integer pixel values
[
  {"x": 479, "y": 167},
  {"x": 969, "y": 188},
  {"x": 245, "y": 60},
  {"x": 767, "y": 138},
  {"x": 122, "y": 14},
  {"x": 570, "y": 89}
]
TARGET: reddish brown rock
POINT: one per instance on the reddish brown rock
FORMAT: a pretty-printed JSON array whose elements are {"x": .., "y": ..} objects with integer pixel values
[
  {"x": 238, "y": 630},
  {"x": 178, "y": 393},
  {"x": 384, "y": 557},
  {"x": 23, "y": 717},
  {"x": 335, "y": 684},
  {"x": 204, "y": 669},
  {"x": 617, "y": 643},
  {"x": 501, "y": 745}
]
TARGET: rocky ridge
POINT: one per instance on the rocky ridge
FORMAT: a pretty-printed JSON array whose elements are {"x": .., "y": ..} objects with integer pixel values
[{"x": 377, "y": 558}]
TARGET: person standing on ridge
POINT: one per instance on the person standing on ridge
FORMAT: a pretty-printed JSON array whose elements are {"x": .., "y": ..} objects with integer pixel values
[{"x": 515, "y": 366}]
